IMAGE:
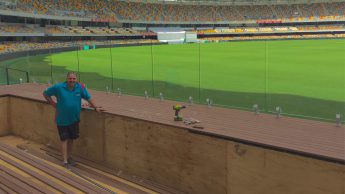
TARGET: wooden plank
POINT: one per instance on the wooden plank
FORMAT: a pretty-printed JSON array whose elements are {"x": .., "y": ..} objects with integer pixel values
[
  {"x": 6, "y": 189},
  {"x": 85, "y": 171},
  {"x": 33, "y": 174},
  {"x": 16, "y": 188},
  {"x": 35, "y": 187},
  {"x": 58, "y": 174},
  {"x": 106, "y": 180},
  {"x": 137, "y": 180},
  {"x": 16, "y": 184}
]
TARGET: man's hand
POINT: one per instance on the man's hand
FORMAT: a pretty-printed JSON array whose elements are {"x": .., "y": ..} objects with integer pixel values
[
  {"x": 85, "y": 105},
  {"x": 99, "y": 109},
  {"x": 50, "y": 100}
]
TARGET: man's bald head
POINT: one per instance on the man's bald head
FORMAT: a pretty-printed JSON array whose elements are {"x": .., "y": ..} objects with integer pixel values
[{"x": 71, "y": 79}]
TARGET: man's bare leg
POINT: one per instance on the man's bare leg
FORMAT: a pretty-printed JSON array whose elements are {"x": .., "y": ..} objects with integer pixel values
[
  {"x": 69, "y": 147},
  {"x": 69, "y": 150},
  {"x": 64, "y": 150}
]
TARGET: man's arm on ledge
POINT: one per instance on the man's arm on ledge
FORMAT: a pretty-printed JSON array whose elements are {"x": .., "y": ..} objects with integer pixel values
[{"x": 97, "y": 108}]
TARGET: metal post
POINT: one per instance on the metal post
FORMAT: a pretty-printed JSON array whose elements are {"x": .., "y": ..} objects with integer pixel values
[
  {"x": 209, "y": 102},
  {"x": 190, "y": 99},
  {"x": 111, "y": 69},
  {"x": 256, "y": 109},
  {"x": 161, "y": 96},
  {"x": 278, "y": 112},
  {"x": 51, "y": 67},
  {"x": 338, "y": 120},
  {"x": 7, "y": 77},
  {"x": 27, "y": 77},
  {"x": 199, "y": 92},
  {"x": 79, "y": 76},
  {"x": 146, "y": 95},
  {"x": 152, "y": 72}
]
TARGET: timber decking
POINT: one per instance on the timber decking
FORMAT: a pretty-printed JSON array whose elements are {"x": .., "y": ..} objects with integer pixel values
[
  {"x": 321, "y": 140},
  {"x": 26, "y": 170}
]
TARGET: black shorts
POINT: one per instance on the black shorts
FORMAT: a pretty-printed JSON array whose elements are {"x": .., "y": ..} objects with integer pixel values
[{"x": 69, "y": 132}]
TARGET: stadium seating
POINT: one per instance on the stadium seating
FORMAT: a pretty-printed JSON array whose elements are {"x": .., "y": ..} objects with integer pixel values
[
  {"x": 143, "y": 11},
  {"x": 266, "y": 29},
  {"x": 14, "y": 28},
  {"x": 13, "y": 46},
  {"x": 161, "y": 12},
  {"x": 272, "y": 29},
  {"x": 217, "y": 39},
  {"x": 107, "y": 31},
  {"x": 92, "y": 30}
]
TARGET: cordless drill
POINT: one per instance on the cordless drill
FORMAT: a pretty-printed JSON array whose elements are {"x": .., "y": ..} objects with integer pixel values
[{"x": 177, "y": 109}]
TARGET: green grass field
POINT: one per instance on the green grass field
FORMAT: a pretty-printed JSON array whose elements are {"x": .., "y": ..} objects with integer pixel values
[{"x": 304, "y": 77}]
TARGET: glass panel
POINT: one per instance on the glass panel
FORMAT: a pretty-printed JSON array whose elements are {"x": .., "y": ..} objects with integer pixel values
[
  {"x": 3, "y": 76},
  {"x": 64, "y": 59},
  {"x": 176, "y": 71},
  {"x": 17, "y": 76},
  {"x": 233, "y": 73},
  {"x": 132, "y": 67},
  {"x": 16, "y": 60},
  {"x": 94, "y": 65},
  {"x": 306, "y": 77},
  {"x": 38, "y": 64}
]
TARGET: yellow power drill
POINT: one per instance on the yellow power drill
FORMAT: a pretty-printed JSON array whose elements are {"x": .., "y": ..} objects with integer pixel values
[{"x": 177, "y": 109}]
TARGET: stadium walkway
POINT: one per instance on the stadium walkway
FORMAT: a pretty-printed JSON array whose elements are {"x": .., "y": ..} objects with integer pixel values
[{"x": 316, "y": 139}]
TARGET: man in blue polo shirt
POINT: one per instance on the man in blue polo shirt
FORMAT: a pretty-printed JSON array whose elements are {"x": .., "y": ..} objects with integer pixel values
[{"x": 68, "y": 106}]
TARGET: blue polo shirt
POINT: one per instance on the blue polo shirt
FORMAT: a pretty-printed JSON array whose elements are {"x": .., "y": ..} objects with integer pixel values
[{"x": 68, "y": 102}]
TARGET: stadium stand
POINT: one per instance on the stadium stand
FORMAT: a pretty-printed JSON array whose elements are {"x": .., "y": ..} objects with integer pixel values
[
  {"x": 272, "y": 29},
  {"x": 14, "y": 46},
  {"x": 265, "y": 29},
  {"x": 54, "y": 30},
  {"x": 167, "y": 12},
  {"x": 131, "y": 21},
  {"x": 272, "y": 37},
  {"x": 15, "y": 28},
  {"x": 93, "y": 30}
]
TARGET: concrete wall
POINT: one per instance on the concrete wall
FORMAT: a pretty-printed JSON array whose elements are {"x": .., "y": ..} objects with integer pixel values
[
  {"x": 4, "y": 118},
  {"x": 186, "y": 161}
]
